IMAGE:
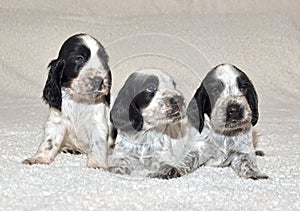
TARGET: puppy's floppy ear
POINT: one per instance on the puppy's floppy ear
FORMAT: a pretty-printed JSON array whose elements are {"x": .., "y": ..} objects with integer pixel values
[
  {"x": 199, "y": 105},
  {"x": 252, "y": 99},
  {"x": 251, "y": 95},
  {"x": 124, "y": 114},
  {"x": 135, "y": 117},
  {"x": 104, "y": 60},
  {"x": 109, "y": 78},
  {"x": 52, "y": 89}
]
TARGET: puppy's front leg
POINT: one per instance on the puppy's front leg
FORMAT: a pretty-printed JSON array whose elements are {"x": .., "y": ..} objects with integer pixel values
[
  {"x": 198, "y": 155},
  {"x": 120, "y": 164},
  {"x": 49, "y": 148},
  {"x": 244, "y": 164},
  {"x": 97, "y": 154}
]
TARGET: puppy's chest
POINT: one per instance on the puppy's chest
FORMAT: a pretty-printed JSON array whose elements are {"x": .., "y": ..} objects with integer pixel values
[
  {"x": 81, "y": 118},
  {"x": 144, "y": 148},
  {"x": 225, "y": 148},
  {"x": 227, "y": 145}
]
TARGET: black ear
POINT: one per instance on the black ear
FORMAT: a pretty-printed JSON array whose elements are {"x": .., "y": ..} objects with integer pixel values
[
  {"x": 52, "y": 89},
  {"x": 124, "y": 114},
  {"x": 135, "y": 117},
  {"x": 251, "y": 95},
  {"x": 109, "y": 78},
  {"x": 252, "y": 99},
  {"x": 199, "y": 105}
]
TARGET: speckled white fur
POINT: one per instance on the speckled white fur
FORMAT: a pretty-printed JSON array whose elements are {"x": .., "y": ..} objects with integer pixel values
[
  {"x": 82, "y": 125},
  {"x": 158, "y": 142},
  {"x": 210, "y": 147}
]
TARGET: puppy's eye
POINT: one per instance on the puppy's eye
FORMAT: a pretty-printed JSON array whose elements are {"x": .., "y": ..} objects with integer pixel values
[
  {"x": 243, "y": 89},
  {"x": 79, "y": 60},
  {"x": 215, "y": 91},
  {"x": 151, "y": 88}
]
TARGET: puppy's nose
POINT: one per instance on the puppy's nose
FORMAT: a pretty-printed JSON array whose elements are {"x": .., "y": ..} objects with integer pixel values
[
  {"x": 98, "y": 83},
  {"x": 235, "y": 111},
  {"x": 177, "y": 101}
]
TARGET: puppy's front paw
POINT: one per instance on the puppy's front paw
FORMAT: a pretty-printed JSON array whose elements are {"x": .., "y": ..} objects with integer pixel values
[
  {"x": 166, "y": 172},
  {"x": 259, "y": 153},
  {"x": 36, "y": 160},
  {"x": 256, "y": 176},
  {"x": 95, "y": 165},
  {"x": 119, "y": 170}
]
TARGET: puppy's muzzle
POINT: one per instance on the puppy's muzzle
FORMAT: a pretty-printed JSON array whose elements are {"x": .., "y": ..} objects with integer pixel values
[
  {"x": 176, "y": 106},
  {"x": 234, "y": 112},
  {"x": 102, "y": 85}
]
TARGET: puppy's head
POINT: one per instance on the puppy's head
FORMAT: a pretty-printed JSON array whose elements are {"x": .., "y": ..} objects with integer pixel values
[
  {"x": 148, "y": 99},
  {"x": 228, "y": 98},
  {"x": 81, "y": 69}
]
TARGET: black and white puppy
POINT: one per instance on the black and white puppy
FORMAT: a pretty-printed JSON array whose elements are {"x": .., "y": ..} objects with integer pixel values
[
  {"x": 146, "y": 112},
  {"x": 221, "y": 115},
  {"x": 78, "y": 93}
]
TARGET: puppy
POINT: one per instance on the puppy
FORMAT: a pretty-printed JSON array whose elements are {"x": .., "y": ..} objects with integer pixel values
[
  {"x": 78, "y": 93},
  {"x": 147, "y": 114},
  {"x": 220, "y": 119}
]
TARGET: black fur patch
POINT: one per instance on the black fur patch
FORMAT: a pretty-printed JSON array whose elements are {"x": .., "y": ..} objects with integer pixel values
[
  {"x": 67, "y": 67},
  {"x": 50, "y": 145},
  {"x": 71, "y": 49},
  {"x": 71, "y": 151},
  {"x": 104, "y": 61},
  {"x": 52, "y": 89},
  {"x": 247, "y": 88},
  {"x": 199, "y": 105},
  {"x": 126, "y": 111}
]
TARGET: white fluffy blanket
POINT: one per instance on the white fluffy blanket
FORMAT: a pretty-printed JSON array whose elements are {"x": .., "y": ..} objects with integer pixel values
[{"x": 185, "y": 39}]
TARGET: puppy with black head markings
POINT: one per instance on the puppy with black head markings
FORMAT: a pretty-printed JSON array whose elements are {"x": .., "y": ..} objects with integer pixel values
[
  {"x": 78, "y": 93},
  {"x": 220, "y": 123},
  {"x": 147, "y": 114}
]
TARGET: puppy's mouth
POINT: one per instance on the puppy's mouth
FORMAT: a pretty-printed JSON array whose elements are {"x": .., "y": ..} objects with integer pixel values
[
  {"x": 101, "y": 91},
  {"x": 175, "y": 107},
  {"x": 235, "y": 123},
  {"x": 90, "y": 92},
  {"x": 234, "y": 127},
  {"x": 175, "y": 113},
  {"x": 101, "y": 87},
  {"x": 231, "y": 126}
]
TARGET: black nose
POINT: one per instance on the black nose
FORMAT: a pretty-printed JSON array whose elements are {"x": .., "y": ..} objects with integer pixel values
[
  {"x": 176, "y": 101},
  {"x": 99, "y": 83},
  {"x": 235, "y": 112}
]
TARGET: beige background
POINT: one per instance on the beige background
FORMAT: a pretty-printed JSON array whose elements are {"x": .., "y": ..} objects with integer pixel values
[{"x": 184, "y": 38}]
